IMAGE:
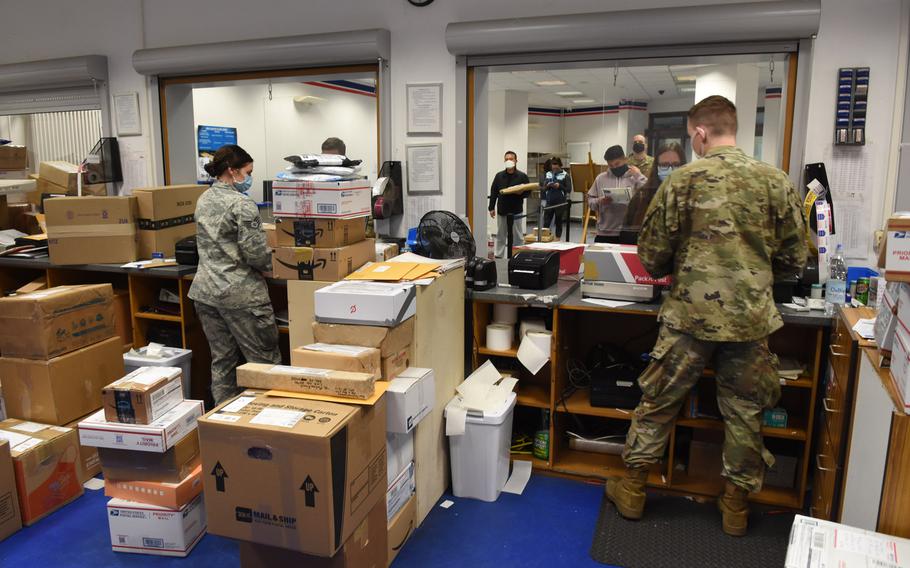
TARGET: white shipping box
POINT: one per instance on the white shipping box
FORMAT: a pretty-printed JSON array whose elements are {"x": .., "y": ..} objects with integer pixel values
[
  {"x": 159, "y": 436},
  {"x": 903, "y": 304},
  {"x": 400, "y": 490},
  {"x": 822, "y": 544},
  {"x": 365, "y": 303},
  {"x": 900, "y": 364},
  {"x": 148, "y": 529},
  {"x": 399, "y": 453},
  {"x": 886, "y": 320},
  {"x": 17, "y": 186},
  {"x": 321, "y": 200},
  {"x": 411, "y": 396}
]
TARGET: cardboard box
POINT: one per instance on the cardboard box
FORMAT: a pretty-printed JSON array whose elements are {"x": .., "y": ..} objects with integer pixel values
[
  {"x": 366, "y": 548},
  {"x": 395, "y": 365},
  {"x": 323, "y": 200},
  {"x": 89, "y": 464},
  {"x": 896, "y": 250},
  {"x": 902, "y": 293},
  {"x": 258, "y": 446},
  {"x": 43, "y": 186},
  {"x": 366, "y": 303},
  {"x": 62, "y": 389},
  {"x": 818, "y": 543},
  {"x": 166, "y": 215},
  {"x": 618, "y": 263},
  {"x": 143, "y": 396},
  {"x": 45, "y": 459},
  {"x": 400, "y": 490},
  {"x": 401, "y": 527},
  {"x": 173, "y": 466},
  {"x": 900, "y": 364},
  {"x": 88, "y": 230},
  {"x": 320, "y": 233},
  {"x": 168, "y": 495},
  {"x": 15, "y": 187},
  {"x": 53, "y": 322},
  {"x": 21, "y": 174},
  {"x": 148, "y": 529},
  {"x": 3, "y": 415},
  {"x": 399, "y": 452},
  {"x": 886, "y": 321},
  {"x": 389, "y": 340},
  {"x": 159, "y": 436},
  {"x": 339, "y": 358},
  {"x": 325, "y": 264},
  {"x": 569, "y": 255},
  {"x": 10, "y": 517},
  {"x": 271, "y": 237},
  {"x": 412, "y": 395},
  {"x": 13, "y": 157},
  {"x": 306, "y": 380},
  {"x": 386, "y": 251},
  {"x": 60, "y": 173}
]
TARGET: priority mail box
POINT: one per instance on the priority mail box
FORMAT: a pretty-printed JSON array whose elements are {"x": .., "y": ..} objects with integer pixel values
[
  {"x": 401, "y": 527},
  {"x": 366, "y": 303},
  {"x": 89, "y": 464},
  {"x": 45, "y": 459},
  {"x": 400, "y": 452},
  {"x": 62, "y": 389},
  {"x": 149, "y": 529},
  {"x": 900, "y": 364},
  {"x": 173, "y": 466},
  {"x": 902, "y": 294},
  {"x": 290, "y": 472},
  {"x": 10, "y": 518},
  {"x": 896, "y": 250},
  {"x": 400, "y": 490},
  {"x": 324, "y": 264},
  {"x": 50, "y": 323},
  {"x": 13, "y": 157},
  {"x": 306, "y": 380},
  {"x": 886, "y": 320},
  {"x": 389, "y": 340},
  {"x": 169, "y": 495},
  {"x": 618, "y": 263},
  {"x": 325, "y": 200},
  {"x": 86, "y": 230},
  {"x": 143, "y": 396},
  {"x": 412, "y": 395},
  {"x": 339, "y": 357},
  {"x": 159, "y": 436},
  {"x": 166, "y": 215},
  {"x": 320, "y": 233}
]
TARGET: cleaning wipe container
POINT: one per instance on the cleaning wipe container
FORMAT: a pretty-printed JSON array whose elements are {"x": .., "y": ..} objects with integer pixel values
[
  {"x": 480, "y": 456},
  {"x": 167, "y": 357}
]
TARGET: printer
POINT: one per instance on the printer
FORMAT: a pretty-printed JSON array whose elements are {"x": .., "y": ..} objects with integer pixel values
[
  {"x": 534, "y": 269},
  {"x": 614, "y": 272}
]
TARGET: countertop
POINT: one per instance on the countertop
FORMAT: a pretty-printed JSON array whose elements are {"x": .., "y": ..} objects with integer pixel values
[{"x": 44, "y": 263}]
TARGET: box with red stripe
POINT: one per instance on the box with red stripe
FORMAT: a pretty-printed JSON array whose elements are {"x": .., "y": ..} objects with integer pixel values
[
  {"x": 321, "y": 200},
  {"x": 618, "y": 263}
]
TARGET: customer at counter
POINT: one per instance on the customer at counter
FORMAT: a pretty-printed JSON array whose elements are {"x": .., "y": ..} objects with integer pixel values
[
  {"x": 670, "y": 157},
  {"x": 556, "y": 186},
  {"x": 610, "y": 195}
]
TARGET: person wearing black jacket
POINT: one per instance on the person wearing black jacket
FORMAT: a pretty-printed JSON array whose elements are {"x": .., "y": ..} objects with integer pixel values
[
  {"x": 556, "y": 185},
  {"x": 508, "y": 204}
]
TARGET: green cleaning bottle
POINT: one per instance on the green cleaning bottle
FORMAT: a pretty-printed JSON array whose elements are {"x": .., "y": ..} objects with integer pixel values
[{"x": 542, "y": 437}]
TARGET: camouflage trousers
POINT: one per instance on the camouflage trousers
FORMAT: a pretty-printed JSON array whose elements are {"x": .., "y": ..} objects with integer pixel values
[
  {"x": 250, "y": 332},
  {"x": 747, "y": 384}
]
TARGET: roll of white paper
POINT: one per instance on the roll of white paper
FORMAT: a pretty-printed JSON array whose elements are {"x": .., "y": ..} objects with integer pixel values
[
  {"x": 499, "y": 336},
  {"x": 541, "y": 339},
  {"x": 530, "y": 325},
  {"x": 505, "y": 313}
]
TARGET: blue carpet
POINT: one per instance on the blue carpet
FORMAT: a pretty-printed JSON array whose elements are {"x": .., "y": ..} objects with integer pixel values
[{"x": 552, "y": 524}]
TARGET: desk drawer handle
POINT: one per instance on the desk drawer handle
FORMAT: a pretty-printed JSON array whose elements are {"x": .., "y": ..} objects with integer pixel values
[
  {"x": 828, "y": 408},
  {"x": 835, "y": 353},
  {"x": 818, "y": 463}
]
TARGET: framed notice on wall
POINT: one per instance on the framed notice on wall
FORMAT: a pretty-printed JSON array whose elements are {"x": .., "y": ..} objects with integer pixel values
[
  {"x": 424, "y": 167},
  {"x": 126, "y": 111},
  {"x": 425, "y": 108}
]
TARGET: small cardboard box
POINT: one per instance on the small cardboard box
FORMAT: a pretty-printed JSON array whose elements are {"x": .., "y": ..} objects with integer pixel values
[
  {"x": 366, "y": 303},
  {"x": 320, "y": 233},
  {"x": 60, "y": 173},
  {"x": 339, "y": 358},
  {"x": 166, "y": 215},
  {"x": 401, "y": 527},
  {"x": 259, "y": 447},
  {"x": 143, "y": 396},
  {"x": 389, "y": 340},
  {"x": 45, "y": 459},
  {"x": 366, "y": 548},
  {"x": 53, "y": 322},
  {"x": 412, "y": 395},
  {"x": 401, "y": 489},
  {"x": 169, "y": 495},
  {"x": 386, "y": 251},
  {"x": 62, "y": 389},
  {"x": 13, "y": 157},
  {"x": 89, "y": 230},
  {"x": 618, "y": 263},
  {"x": 148, "y": 529},
  {"x": 159, "y": 436},
  {"x": 395, "y": 365},
  {"x": 323, "y": 200},
  {"x": 173, "y": 466},
  {"x": 400, "y": 452},
  {"x": 89, "y": 464},
  {"x": 896, "y": 250},
  {"x": 10, "y": 517},
  {"x": 324, "y": 264},
  {"x": 306, "y": 380}
]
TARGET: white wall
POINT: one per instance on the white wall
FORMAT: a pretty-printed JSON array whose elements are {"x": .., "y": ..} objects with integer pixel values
[
  {"x": 602, "y": 131},
  {"x": 544, "y": 134},
  {"x": 678, "y": 104}
]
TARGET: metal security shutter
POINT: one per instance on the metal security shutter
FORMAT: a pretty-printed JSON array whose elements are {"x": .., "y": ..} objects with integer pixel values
[{"x": 54, "y": 85}]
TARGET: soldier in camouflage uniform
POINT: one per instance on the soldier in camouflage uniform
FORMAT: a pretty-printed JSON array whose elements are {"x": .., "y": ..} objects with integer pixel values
[
  {"x": 639, "y": 156},
  {"x": 229, "y": 290},
  {"x": 724, "y": 227}
]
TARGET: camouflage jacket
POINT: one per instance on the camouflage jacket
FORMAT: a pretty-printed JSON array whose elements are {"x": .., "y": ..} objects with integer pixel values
[
  {"x": 645, "y": 164},
  {"x": 233, "y": 252},
  {"x": 724, "y": 227}
]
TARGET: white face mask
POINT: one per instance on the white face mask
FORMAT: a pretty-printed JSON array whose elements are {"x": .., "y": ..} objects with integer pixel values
[{"x": 509, "y": 164}]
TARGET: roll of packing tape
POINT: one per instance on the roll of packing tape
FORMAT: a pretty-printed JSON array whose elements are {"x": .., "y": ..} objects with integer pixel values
[
  {"x": 382, "y": 209},
  {"x": 499, "y": 336},
  {"x": 541, "y": 339},
  {"x": 505, "y": 313},
  {"x": 530, "y": 325}
]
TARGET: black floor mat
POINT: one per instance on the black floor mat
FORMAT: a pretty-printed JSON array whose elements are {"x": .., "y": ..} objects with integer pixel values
[{"x": 679, "y": 533}]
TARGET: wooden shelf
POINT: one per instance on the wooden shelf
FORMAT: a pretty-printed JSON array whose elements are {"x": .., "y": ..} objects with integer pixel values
[
  {"x": 283, "y": 329},
  {"x": 602, "y": 466},
  {"x": 776, "y": 496},
  {"x": 157, "y": 317},
  {"x": 803, "y": 382},
  {"x": 795, "y": 432},
  {"x": 530, "y": 394},
  {"x": 579, "y": 403},
  {"x": 537, "y": 463},
  {"x": 513, "y": 353}
]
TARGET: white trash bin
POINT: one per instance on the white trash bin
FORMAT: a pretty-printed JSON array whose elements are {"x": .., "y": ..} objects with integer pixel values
[
  {"x": 480, "y": 456},
  {"x": 170, "y": 357}
]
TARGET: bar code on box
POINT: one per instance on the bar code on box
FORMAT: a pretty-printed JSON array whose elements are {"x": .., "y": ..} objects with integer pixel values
[
  {"x": 326, "y": 208},
  {"x": 818, "y": 540},
  {"x": 122, "y": 539},
  {"x": 882, "y": 564},
  {"x": 153, "y": 542}
]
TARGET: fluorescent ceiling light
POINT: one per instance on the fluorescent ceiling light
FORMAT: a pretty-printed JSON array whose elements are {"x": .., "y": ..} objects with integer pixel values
[
  {"x": 581, "y": 101},
  {"x": 569, "y": 93},
  {"x": 686, "y": 78},
  {"x": 551, "y": 83},
  {"x": 687, "y": 89}
]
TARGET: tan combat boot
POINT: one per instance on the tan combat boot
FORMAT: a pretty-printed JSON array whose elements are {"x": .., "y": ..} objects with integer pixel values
[
  {"x": 628, "y": 493},
  {"x": 735, "y": 509}
]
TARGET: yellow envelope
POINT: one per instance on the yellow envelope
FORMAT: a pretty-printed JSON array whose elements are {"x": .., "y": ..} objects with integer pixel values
[{"x": 384, "y": 271}]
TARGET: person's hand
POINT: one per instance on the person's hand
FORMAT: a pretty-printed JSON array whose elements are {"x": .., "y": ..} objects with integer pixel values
[
  {"x": 492, "y": 213},
  {"x": 635, "y": 170},
  {"x": 606, "y": 199}
]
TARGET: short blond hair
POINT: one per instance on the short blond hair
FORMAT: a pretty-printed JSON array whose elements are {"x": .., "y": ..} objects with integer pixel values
[{"x": 716, "y": 114}]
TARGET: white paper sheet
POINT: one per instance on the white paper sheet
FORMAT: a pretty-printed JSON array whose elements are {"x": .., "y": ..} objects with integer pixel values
[
  {"x": 30, "y": 427},
  {"x": 521, "y": 474},
  {"x": 455, "y": 421},
  {"x": 532, "y": 356},
  {"x": 865, "y": 328},
  {"x": 94, "y": 484},
  {"x": 446, "y": 504},
  {"x": 607, "y": 303},
  {"x": 238, "y": 404}
]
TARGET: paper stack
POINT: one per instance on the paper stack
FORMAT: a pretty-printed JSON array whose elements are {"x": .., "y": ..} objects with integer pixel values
[
  {"x": 485, "y": 390},
  {"x": 320, "y": 167}
]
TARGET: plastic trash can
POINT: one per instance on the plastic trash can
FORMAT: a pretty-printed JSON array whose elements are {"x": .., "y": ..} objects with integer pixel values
[
  {"x": 480, "y": 456},
  {"x": 171, "y": 357}
]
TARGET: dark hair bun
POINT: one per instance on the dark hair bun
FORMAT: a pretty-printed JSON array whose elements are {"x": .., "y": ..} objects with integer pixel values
[
  {"x": 228, "y": 156},
  {"x": 212, "y": 169}
]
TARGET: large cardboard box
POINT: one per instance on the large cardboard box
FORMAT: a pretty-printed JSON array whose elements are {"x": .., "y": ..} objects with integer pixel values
[
  {"x": 44, "y": 186},
  {"x": 60, "y": 173},
  {"x": 173, "y": 466},
  {"x": 52, "y": 322},
  {"x": 166, "y": 216},
  {"x": 401, "y": 527},
  {"x": 10, "y": 518},
  {"x": 324, "y": 200},
  {"x": 87, "y": 230},
  {"x": 148, "y": 529},
  {"x": 399, "y": 452},
  {"x": 389, "y": 340},
  {"x": 62, "y": 389},
  {"x": 89, "y": 464},
  {"x": 325, "y": 264},
  {"x": 395, "y": 365},
  {"x": 143, "y": 396},
  {"x": 366, "y": 303},
  {"x": 339, "y": 358},
  {"x": 283, "y": 479},
  {"x": 169, "y": 495},
  {"x": 618, "y": 263},
  {"x": 412, "y": 395},
  {"x": 159, "y": 436},
  {"x": 306, "y": 380},
  {"x": 319, "y": 233},
  {"x": 13, "y": 157},
  {"x": 45, "y": 459},
  {"x": 366, "y": 548}
]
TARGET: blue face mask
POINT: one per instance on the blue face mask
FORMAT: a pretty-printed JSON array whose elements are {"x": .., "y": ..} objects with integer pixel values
[
  {"x": 664, "y": 173},
  {"x": 245, "y": 185}
]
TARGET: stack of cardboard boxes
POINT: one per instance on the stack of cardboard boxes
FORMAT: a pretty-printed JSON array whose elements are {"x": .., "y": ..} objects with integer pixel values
[
  {"x": 10, "y": 517},
  {"x": 13, "y": 180},
  {"x": 149, "y": 450}
]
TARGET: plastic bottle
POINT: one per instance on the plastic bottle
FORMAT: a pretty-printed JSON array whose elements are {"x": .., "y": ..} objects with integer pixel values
[
  {"x": 541, "y": 449},
  {"x": 836, "y": 288},
  {"x": 491, "y": 246}
]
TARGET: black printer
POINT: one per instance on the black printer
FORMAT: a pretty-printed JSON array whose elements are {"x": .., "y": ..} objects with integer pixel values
[
  {"x": 185, "y": 251},
  {"x": 484, "y": 271},
  {"x": 534, "y": 269}
]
